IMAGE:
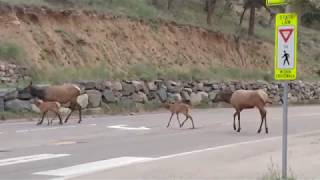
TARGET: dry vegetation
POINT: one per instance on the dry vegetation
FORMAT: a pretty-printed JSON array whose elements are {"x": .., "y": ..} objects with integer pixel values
[{"x": 166, "y": 44}]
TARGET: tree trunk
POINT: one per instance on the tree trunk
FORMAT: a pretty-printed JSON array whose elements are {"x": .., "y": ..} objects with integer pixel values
[
  {"x": 170, "y": 4},
  {"x": 252, "y": 21},
  {"x": 155, "y": 3},
  {"x": 211, "y": 5}
]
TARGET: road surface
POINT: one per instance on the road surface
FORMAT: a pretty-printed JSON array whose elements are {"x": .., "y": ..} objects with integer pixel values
[{"x": 141, "y": 147}]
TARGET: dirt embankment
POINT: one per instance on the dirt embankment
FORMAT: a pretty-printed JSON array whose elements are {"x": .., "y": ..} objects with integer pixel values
[{"x": 83, "y": 38}]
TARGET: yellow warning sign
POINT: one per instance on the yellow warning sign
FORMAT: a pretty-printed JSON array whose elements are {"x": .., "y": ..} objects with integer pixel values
[
  {"x": 286, "y": 38},
  {"x": 276, "y": 2}
]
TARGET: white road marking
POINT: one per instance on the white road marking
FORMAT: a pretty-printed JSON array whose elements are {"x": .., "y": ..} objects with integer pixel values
[
  {"x": 65, "y": 143},
  {"x": 24, "y": 159},
  {"x": 87, "y": 168},
  {"x": 128, "y": 128},
  {"x": 43, "y": 129}
]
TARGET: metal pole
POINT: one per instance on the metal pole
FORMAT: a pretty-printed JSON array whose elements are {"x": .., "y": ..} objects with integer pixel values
[
  {"x": 285, "y": 124},
  {"x": 285, "y": 130}
]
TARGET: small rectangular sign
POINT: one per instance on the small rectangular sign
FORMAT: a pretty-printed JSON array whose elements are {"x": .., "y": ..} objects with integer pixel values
[
  {"x": 286, "y": 37},
  {"x": 276, "y": 2}
]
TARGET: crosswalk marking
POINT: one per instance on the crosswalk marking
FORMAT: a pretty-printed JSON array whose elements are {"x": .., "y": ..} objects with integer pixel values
[
  {"x": 24, "y": 159},
  {"x": 87, "y": 168},
  {"x": 128, "y": 128}
]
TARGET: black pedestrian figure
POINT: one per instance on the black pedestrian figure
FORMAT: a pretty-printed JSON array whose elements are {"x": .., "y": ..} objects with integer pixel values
[{"x": 286, "y": 58}]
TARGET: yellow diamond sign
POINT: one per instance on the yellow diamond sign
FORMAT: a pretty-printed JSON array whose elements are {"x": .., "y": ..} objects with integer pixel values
[
  {"x": 286, "y": 38},
  {"x": 276, "y": 2}
]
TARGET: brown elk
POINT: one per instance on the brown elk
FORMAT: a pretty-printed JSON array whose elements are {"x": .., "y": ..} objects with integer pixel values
[
  {"x": 63, "y": 94},
  {"x": 46, "y": 107},
  {"x": 177, "y": 108},
  {"x": 246, "y": 99}
]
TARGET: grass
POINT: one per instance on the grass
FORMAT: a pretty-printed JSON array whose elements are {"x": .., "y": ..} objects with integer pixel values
[
  {"x": 11, "y": 52},
  {"x": 189, "y": 12},
  {"x": 274, "y": 173},
  {"x": 67, "y": 74},
  {"x": 145, "y": 72}
]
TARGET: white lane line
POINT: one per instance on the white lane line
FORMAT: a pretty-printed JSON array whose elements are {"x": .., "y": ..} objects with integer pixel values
[
  {"x": 128, "y": 128},
  {"x": 24, "y": 159},
  {"x": 87, "y": 168},
  {"x": 43, "y": 129},
  {"x": 51, "y": 128}
]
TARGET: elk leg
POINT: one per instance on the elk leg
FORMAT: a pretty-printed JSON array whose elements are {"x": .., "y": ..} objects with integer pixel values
[
  {"x": 67, "y": 118},
  {"x": 178, "y": 120},
  {"x": 262, "y": 113},
  {"x": 41, "y": 121},
  {"x": 239, "y": 126},
  {"x": 191, "y": 121},
  {"x": 187, "y": 117},
  {"x": 234, "y": 121},
  {"x": 170, "y": 120},
  {"x": 265, "y": 123},
  {"x": 80, "y": 118},
  {"x": 60, "y": 119}
]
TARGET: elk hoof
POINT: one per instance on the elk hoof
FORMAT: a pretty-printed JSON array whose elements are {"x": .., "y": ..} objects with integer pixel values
[
  {"x": 267, "y": 131},
  {"x": 259, "y": 131},
  {"x": 238, "y": 130},
  {"x": 39, "y": 123},
  {"x": 234, "y": 128}
]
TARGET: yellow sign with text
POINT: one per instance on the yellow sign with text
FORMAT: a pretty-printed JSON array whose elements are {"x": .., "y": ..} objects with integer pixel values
[
  {"x": 276, "y": 2},
  {"x": 286, "y": 38}
]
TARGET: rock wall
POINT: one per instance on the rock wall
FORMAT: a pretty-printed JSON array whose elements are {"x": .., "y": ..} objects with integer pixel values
[
  {"x": 128, "y": 93},
  {"x": 10, "y": 73}
]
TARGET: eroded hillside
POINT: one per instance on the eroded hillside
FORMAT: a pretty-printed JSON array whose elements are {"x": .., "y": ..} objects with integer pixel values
[{"x": 51, "y": 39}]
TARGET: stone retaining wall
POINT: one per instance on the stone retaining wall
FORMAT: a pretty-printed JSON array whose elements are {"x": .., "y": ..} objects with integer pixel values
[{"x": 139, "y": 92}]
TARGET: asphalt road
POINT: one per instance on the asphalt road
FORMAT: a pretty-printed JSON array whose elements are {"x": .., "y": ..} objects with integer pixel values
[{"x": 140, "y": 146}]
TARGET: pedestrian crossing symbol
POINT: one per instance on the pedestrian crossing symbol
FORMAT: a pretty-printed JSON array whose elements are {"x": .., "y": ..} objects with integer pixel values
[{"x": 286, "y": 46}]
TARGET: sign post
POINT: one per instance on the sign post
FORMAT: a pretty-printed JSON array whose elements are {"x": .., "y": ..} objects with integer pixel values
[{"x": 285, "y": 67}]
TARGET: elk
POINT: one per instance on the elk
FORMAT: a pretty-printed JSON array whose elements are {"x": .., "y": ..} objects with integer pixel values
[{"x": 246, "y": 99}]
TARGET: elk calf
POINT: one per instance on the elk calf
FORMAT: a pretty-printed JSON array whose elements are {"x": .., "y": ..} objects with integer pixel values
[
  {"x": 46, "y": 107},
  {"x": 177, "y": 108}
]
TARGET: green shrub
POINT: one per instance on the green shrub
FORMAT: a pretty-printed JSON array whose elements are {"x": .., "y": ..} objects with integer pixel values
[{"x": 11, "y": 52}]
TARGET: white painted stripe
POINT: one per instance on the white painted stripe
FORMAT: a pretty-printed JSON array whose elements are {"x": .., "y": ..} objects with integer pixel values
[
  {"x": 18, "y": 123},
  {"x": 44, "y": 129},
  {"x": 87, "y": 168},
  {"x": 128, "y": 128},
  {"x": 91, "y": 167},
  {"x": 65, "y": 143},
  {"x": 24, "y": 159},
  {"x": 218, "y": 148}
]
